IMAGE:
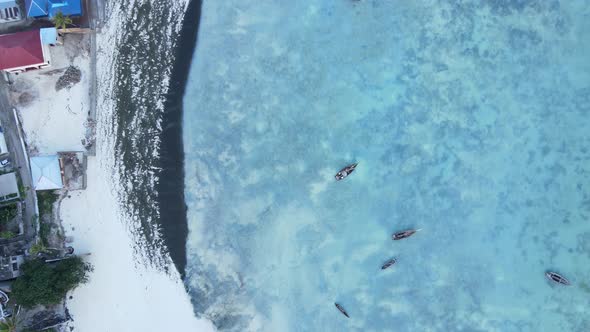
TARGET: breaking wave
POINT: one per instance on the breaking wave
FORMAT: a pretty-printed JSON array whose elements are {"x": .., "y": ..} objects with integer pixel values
[{"x": 137, "y": 53}]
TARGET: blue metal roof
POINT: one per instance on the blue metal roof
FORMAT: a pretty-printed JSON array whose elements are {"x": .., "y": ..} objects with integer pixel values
[
  {"x": 36, "y": 8},
  {"x": 49, "y": 8},
  {"x": 67, "y": 7}
]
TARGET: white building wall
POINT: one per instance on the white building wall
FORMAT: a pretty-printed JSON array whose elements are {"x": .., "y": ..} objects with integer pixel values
[{"x": 9, "y": 11}]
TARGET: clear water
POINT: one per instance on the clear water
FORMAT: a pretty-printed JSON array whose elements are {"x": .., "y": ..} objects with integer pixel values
[{"x": 469, "y": 120}]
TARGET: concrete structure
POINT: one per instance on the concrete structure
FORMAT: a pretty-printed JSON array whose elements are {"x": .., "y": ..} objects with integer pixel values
[
  {"x": 23, "y": 51},
  {"x": 9, "y": 11},
  {"x": 3, "y": 147},
  {"x": 19, "y": 158},
  {"x": 47, "y": 172},
  {"x": 8, "y": 187},
  {"x": 10, "y": 266},
  {"x": 73, "y": 169},
  {"x": 50, "y": 8}
]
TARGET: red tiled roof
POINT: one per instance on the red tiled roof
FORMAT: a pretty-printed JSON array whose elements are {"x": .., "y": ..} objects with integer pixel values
[{"x": 20, "y": 49}]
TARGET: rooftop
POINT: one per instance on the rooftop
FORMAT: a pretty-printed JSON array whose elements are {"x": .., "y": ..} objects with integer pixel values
[
  {"x": 3, "y": 147},
  {"x": 20, "y": 49},
  {"x": 48, "y": 36},
  {"x": 10, "y": 266},
  {"x": 46, "y": 172},
  {"x": 8, "y": 187},
  {"x": 49, "y": 8}
]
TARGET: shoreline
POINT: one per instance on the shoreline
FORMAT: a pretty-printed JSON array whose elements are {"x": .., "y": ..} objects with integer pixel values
[
  {"x": 119, "y": 287},
  {"x": 133, "y": 271},
  {"x": 115, "y": 220},
  {"x": 171, "y": 185}
]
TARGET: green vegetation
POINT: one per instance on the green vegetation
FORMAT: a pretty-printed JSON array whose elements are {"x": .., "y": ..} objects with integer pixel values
[
  {"x": 61, "y": 21},
  {"x": 46, "y": 200},
  {"x": 44, "y": 231},
  {"x": 9, "y": 324},
  {"x": 22, "y": 190},
  {"x": 13, "y": 196},
  {"x": 7, "y": 235},
  {"x": 7, "y": 213},
  {"x": 37, "y": 248},
  {"x": 41, "y": 283}
]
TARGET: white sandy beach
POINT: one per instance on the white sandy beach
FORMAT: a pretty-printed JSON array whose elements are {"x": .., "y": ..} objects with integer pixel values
[{"x": 122, "y": 294}]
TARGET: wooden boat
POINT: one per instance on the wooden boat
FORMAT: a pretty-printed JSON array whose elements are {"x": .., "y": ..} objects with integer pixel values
[
  {"x": 343, "y": 173},
  {"x": 404, "y": 234},
  {"x": 556, "y": 277},
  {"x": 342, "y": 310},
  {"x": 388, "y": 263}
]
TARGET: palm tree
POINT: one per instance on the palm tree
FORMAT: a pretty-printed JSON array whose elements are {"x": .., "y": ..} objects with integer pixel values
[
  {"x": 61, "y": 21},
  {"x": 8, "y": 325},
  {"x": 37, "y": 248}
]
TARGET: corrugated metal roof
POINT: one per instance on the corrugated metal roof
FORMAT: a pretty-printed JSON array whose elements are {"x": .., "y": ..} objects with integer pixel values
[
  {"x": 42, "y": 8},
  {"x": 36, "y": 8}
]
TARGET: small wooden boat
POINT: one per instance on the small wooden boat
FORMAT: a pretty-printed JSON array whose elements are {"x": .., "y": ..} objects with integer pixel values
[
  {"x": 343, "y": 173},
  {"x": 404, "y": 234},
  {"x": 556, "y": 277},
  {"x": 388, "y": 263},
  {"x": 342, "y": 310}
]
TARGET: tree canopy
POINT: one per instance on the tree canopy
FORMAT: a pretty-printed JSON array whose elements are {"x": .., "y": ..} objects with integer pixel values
[
  {"x": 48, "y": 284},
  {"x": 7, "y": 213}
]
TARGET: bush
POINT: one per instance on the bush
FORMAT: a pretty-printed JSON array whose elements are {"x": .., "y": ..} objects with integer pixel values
[
  {"x": 45, "y": 200},
  {"x": 7, "y": 213},
  {"x": 7, "y": 235},
  {"x": 37, "y": 248},
  {"x": 8, "y": 325},
  {"x": 44, "y": 231},
  {"x": 41, "y": 283}
]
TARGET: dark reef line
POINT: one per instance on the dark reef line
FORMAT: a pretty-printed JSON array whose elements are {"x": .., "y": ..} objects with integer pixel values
[{"x": 170, "y": 187}]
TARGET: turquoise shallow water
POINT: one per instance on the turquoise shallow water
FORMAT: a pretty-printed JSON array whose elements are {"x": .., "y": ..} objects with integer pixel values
[{"x": 469, "y": 120}]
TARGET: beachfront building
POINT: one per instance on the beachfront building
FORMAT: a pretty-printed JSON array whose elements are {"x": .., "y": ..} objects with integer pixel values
[
  {"x": 9, "y": 11},
  {"x": 10, "y": 267},
  {"x": 47, "y": 172},
  {"x": 49, "y": 8},
  {"x": 23, "y": 51},
  {"x": 8, "y": 187}
]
